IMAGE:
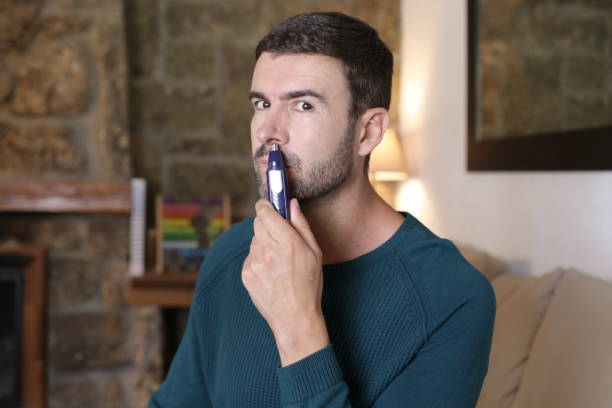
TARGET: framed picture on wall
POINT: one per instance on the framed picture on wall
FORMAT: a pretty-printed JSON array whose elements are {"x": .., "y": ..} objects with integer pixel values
[{"x": 539, "y": 85}]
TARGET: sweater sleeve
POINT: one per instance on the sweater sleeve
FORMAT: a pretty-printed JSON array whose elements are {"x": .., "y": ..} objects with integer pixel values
[
  {"x": 184, "y": 385},
  {"x": 448, "y": 370},
  {"x": 315, "y": 381}
]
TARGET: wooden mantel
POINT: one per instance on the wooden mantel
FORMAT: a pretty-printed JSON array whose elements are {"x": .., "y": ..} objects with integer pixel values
[
  {"x": 97, "y": 197},
  {"x": 93, "y": 197},
  {"x": 168, "y": 289}
]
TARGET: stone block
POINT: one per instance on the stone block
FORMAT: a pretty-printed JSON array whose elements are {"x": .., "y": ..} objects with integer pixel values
[
  {"x": 238, "y": 61},
  {"x": 18, "y": 23},
  {"x": 214, "y": 177},
  {"x": 56, "y": 233},
  {"x": 112, "y": 394},
  {"x": 190, "y": 60},
  {"x": 281, "y": 10},
  {"x": 146, "y": 334},
  {"x": 73, "y": 282},
  {"x": 237, "y": 114},
  {"x": 75, "y": 394},
  {"x": 50, "y": 79},
  {"x": 38, "y": 149},
  {"x": 85, "y": 4},
  {"x": 6, "y": 82},
  {"x": 61, "y": 26},
  {"x": 111, "y": 114},
  {"x": 200, "y": 145},
  {"x": 88, "y": 340},
  {"x": 114, "y": 283},
  {"x": 229, "y": 19},
  {"x": 586, "y": 73},
  {"x": 147, "y": 159},
  {"x": 144, "y": 383},
  {"x": 143, "y": 36},
  {"x": 107, "y": 237},
  {"x": 146, "y": 323},
  {"x": 167, "y": 108},
  {"x": 384, "y": 16}
]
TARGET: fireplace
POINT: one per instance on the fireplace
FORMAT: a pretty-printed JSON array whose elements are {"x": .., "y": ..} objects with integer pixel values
[{"x": 22, "y": 328}]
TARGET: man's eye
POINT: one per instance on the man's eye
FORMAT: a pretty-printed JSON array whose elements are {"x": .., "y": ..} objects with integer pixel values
[
  {"x": 261, "y": 104},
  {"x": 304, "y": 106}
]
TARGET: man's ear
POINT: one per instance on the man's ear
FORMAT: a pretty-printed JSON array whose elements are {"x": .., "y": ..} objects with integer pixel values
[{"x": 373, "y": 123}]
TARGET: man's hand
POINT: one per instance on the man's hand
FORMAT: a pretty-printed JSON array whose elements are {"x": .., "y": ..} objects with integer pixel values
[{"x": 283, "y": 275}]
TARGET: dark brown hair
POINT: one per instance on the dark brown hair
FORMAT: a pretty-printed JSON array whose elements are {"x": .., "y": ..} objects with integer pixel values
[{"x": 368, "y": 63}]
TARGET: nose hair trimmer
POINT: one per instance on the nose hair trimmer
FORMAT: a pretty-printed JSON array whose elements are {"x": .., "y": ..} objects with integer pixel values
[{"x": 278, "y": 192}]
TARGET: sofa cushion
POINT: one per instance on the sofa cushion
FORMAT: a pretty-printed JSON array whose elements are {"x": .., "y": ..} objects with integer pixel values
[
  {"x": 521, "y": 304},
  {"x": 571, "y": 361},
  {"x": 487, "y": 264}
]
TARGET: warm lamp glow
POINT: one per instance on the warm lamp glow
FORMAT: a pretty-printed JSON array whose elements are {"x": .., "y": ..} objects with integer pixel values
[
  {"x": 412, "y": 198},
  {"x": 387, "y": 161}
]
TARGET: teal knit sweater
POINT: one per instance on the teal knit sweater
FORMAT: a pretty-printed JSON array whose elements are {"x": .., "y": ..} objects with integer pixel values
[{"x": 410, "y": 325}]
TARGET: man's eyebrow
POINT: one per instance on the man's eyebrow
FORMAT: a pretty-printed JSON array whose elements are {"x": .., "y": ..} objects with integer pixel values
[
  {"x": 304, "y": 92},
  {"x": 290, "y": 95},
  {"x": 256, "y": 95}
]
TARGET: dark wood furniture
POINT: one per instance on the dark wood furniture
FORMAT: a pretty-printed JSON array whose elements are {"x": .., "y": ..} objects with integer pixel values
[
  {"x": 168, "y": 290},
  {"x": 32, "y": 264}
]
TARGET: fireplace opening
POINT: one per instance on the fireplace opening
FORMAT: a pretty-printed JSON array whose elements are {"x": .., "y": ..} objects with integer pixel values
[
  {"x": 22, "y": 328},
  {"x": 11, "y": 329}
]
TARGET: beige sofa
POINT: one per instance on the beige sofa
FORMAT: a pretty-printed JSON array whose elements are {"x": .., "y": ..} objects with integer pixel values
[{"x": 552, "y": 343}]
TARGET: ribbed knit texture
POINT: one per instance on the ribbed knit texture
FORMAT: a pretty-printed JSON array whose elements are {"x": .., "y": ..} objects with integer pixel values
[
  {"x": 410, "y": 325},
  {"x": 309, "y": 376}
]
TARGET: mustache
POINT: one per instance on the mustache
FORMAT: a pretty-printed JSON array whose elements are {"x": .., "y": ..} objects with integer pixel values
[{"x": 291, "y": 159}]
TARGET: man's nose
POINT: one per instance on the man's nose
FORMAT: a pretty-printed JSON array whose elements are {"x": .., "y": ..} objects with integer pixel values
[{"x": 273, "y": 129}]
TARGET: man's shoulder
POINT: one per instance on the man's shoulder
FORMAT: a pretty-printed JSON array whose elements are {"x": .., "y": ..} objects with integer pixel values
[
  {"x": 230, "y": 247},
  {"x": 445, "y": 279}
]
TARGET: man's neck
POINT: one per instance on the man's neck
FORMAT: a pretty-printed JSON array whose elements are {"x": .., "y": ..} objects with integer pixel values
[{"x": 352, "y": 223}]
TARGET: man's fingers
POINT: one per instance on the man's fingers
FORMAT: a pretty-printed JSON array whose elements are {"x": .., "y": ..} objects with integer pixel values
[
  {"x": 261, "y": 232},
  {"x": 300, "y": 223},
  {"x": 276, "y": 226}
]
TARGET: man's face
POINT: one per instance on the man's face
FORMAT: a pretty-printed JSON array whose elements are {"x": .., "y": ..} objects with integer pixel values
[{"x": 301, "y": 102}]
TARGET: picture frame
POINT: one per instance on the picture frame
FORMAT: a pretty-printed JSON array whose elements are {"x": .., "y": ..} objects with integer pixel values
[{"x": 576, "y": 149}]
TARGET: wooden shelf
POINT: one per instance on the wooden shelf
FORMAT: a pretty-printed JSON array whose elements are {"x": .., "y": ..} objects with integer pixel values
[
  {"x": 90, "y": 197},
  {"x": 167, "y": 290}
]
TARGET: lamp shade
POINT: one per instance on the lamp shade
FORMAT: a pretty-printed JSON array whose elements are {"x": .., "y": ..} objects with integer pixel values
[{"x": 387, "y": 161}]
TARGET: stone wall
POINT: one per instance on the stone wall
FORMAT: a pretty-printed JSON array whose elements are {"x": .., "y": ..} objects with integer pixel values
[
  {"x": 545, "y": 66},
  {"x": 64, "y": 116},
  {"x": 191, "y": 64}
]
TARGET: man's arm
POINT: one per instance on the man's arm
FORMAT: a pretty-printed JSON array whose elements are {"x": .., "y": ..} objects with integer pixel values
[
  {"x": 447, "y": 372},
  {"x": 450, "y": 368},
  {"x": 283, "y": 275}
]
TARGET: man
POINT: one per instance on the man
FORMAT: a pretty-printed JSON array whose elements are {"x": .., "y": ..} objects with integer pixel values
[{"x": 349, "y": 303}]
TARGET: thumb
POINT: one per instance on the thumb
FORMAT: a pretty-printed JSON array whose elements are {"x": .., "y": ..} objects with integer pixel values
[{"x": 300, "y": 223}]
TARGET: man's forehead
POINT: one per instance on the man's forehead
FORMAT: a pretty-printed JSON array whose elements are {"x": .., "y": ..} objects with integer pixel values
[{"x": 286, "y": 73}]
